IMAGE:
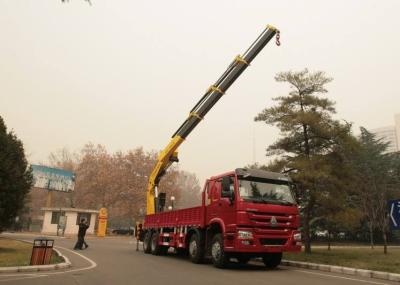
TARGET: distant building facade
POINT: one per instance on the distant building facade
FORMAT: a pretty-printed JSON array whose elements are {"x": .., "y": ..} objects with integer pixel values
[{"x": 390, "y": 135}]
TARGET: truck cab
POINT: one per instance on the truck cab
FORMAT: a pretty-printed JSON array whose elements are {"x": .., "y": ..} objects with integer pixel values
[{"x": 255, "y": 211}]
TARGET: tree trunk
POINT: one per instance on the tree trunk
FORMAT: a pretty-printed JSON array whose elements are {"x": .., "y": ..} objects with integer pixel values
[
  {"x": 306, "y": 223},
  {"x": 371, "y": 236},
  {"x": 384, "y": 242},
  {"x": 329, "y": 240}
]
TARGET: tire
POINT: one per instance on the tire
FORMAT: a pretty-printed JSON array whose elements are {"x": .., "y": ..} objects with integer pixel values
[
  {"x": 272, "y": 260},
  {"x": 146, "y": 242},
  {"x": 218, "y": 256},
  {"x": 243, "y": 259},
  {"x": 155, "y": 248},
  {"x": 196, "y": 248}
]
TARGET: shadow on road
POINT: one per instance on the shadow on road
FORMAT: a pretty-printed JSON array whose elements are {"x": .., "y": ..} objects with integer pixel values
[{"x": 233, "y": 265}]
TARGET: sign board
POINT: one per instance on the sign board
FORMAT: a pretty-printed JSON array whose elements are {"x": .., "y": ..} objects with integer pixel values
[
  {"x": 53, "y": 178},
  {"x": 102, "y": 227},
  {"x": 394, "y": 214}
]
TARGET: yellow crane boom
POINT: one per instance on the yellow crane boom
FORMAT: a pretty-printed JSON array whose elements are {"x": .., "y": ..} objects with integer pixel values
[{"x": 212, "y": 95}]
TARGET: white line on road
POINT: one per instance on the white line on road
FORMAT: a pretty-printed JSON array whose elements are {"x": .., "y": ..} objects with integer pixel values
[
  {"x": 38, "y": 275},
  {"x": 341, "y": 277}
]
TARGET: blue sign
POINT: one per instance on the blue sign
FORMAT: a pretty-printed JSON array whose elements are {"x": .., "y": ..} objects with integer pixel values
[
  {"x": 53, "y": 178},
  {"x": 394, "y": 214}
]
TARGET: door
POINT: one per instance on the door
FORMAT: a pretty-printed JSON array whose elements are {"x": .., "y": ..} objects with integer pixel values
[{"x": 220, "y": 207}]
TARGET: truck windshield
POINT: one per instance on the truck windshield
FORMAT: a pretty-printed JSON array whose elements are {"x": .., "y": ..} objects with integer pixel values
[{"x": 265, "y": 191}]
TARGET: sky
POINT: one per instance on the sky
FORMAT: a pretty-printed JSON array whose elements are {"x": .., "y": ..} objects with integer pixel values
[{"x": 126, "y": 73}]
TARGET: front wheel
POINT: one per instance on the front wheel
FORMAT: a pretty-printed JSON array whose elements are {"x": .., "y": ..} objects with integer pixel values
[
  {"x": 272, "y": 260},
  {"x": 218, "y": 255}
]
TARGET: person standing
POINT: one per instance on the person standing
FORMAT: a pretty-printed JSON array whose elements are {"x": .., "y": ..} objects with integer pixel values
[
  {"x": 83, "y": 226},
  {"x": 139, "y": 235}
]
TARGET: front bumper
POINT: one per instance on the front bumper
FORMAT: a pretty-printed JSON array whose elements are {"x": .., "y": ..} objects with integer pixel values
[{"x": 262, "y": 243}]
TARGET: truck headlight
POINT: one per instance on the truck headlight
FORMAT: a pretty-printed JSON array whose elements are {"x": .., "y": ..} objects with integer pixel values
[
  {"x": 297, "y": 236},
  {"x": 245, "y": 234}
]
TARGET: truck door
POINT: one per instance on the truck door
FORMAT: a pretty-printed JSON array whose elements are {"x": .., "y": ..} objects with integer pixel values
[{"x": 220, "y": 207}]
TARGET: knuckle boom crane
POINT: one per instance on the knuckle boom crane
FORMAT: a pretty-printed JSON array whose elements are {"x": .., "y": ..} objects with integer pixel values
[{"x": 209, "y": 99}]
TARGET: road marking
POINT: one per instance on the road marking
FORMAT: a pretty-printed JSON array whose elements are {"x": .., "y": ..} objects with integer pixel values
[
  {"x": 21, "y": 278},
  {"x": 38, "y": 275},
  {"x": 92, "y": 263},
  {"x": 341, "y": 277}
]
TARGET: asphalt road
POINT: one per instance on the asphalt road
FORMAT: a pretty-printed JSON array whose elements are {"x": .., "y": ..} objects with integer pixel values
[{"x": 114, "y": 261}]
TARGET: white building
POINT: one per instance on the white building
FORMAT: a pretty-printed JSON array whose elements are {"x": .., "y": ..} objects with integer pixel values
[
  {"x": 390, "y": 134},
  {"x": 66, "y": 220}
]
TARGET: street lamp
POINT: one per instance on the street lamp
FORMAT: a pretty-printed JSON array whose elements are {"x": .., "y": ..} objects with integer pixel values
[{"x": 172, "y": 201}]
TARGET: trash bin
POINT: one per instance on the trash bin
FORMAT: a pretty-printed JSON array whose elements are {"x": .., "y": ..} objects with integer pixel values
[{"x": 41, "y": 251}]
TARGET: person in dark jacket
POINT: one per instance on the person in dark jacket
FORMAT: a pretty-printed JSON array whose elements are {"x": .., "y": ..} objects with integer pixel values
[{"x": 83, "y": 226}]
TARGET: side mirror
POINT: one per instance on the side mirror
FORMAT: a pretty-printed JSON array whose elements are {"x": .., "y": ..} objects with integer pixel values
[
  {"x": 295, "y": 191},
  {"x": 227, "y": 192},
  {"x": 226, "y": 182}
]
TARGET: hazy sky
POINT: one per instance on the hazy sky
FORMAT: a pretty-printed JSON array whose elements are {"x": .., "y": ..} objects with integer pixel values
[{"x": 126, "y": 73}]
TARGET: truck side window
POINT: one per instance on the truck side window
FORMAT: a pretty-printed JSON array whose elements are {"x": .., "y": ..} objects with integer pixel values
[
  {"x": 216, "y": 190},
  {"x": 231, "y": 186},
  {"x": 208, "y": 194}
]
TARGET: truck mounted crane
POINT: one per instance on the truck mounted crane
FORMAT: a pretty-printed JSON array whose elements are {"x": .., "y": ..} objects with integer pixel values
[
  {"x": 198, "y": 112},
  {"x": 244, "y": 213}
]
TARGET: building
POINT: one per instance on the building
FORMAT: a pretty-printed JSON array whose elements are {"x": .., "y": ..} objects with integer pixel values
[
  {"x": 390, "y": 134},
  {"x": 66, "y": 220},
  {"x": 387, "y": 135}
]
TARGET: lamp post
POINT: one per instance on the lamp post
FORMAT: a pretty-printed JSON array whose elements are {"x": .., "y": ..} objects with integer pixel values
[{"x": 172, "y": 201}]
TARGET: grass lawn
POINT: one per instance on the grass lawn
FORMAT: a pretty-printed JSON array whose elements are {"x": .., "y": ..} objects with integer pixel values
[
  {"x": 17, "y": 253},
  {"x": 364, "y": 258}
]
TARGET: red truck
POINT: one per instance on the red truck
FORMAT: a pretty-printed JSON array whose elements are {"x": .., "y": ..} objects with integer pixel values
[{"x": 244, "y": 214}]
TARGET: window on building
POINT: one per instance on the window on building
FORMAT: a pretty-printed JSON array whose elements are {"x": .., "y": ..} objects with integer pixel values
[
  {"x": 81, "y": 216},
  {"x": 55, "y": 217}
]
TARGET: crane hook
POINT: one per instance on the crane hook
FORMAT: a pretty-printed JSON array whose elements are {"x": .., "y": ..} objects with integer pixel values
[{"x": 277, "y": 39}]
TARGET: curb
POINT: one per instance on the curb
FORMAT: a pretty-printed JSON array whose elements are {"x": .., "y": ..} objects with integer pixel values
[
  {"x": 36, "y": 268},
  {"x": 344, "y": 270}
]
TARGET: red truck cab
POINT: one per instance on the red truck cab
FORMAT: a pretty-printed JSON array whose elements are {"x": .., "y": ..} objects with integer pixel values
[{"x": 245, "y": 213}]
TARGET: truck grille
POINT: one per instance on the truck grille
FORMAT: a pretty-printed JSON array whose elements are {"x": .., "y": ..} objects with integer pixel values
[
  {"x": 273, "y": 241},
  {"x": 272, "y": 221}
]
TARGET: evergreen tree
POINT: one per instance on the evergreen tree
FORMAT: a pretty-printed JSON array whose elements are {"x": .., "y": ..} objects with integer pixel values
[
  {"x": 377, "y": 180},
  {"x": 15, "y": 176},
  {"x": 310, "y": 139}
]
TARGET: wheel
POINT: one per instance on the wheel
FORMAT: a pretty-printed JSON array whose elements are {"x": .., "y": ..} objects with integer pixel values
[
  {"x": 196, "y": 249},
  {"x": 218, "y": 256},
  {"x": 243, "y": 259},
  {"x": 155, "y": 248},
  {"x": 146, "y": 242},
  {"x": 272, "y": 260}
]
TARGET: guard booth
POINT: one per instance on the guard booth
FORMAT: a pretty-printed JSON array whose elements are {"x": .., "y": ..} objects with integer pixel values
[{"x": 60, "y": 221}]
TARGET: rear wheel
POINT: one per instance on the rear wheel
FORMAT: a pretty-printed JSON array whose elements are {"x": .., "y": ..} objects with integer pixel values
[
  {"x": 196, "y": 249},
  {"x": 272, "y": 260},
  {"x": 155, "y": 248},
  {"x": 146, "y": 242},
  {"x": 219, "y": 257}
]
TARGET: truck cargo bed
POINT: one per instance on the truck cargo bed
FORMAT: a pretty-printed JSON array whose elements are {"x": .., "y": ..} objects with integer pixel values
[{"x": 185, "y": 217}]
